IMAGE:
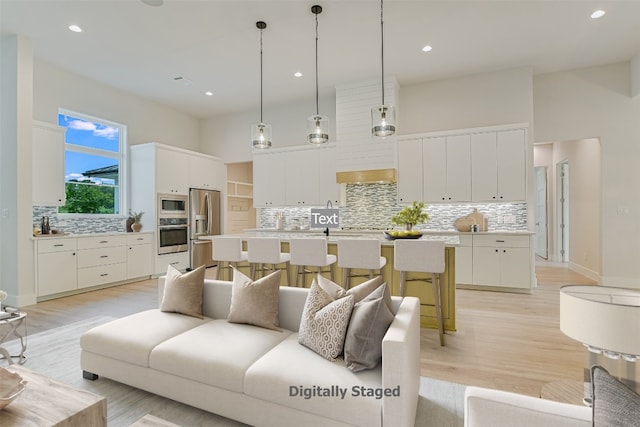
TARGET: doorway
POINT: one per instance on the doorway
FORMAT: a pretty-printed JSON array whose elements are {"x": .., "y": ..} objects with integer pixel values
[{"x": 542, "y": 244}]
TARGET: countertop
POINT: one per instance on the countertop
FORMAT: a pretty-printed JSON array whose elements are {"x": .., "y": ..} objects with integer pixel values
[{"x": 73, "y": 236}]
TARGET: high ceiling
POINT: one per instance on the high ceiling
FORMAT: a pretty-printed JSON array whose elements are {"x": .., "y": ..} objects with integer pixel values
[{"x": 214, "y": 44}]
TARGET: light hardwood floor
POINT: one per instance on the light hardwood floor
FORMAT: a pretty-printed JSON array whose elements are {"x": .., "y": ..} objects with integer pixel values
[{"x": 503, "y": 340}]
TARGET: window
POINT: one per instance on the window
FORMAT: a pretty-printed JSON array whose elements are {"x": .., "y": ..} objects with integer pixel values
[{"x": 94, "y": 163}]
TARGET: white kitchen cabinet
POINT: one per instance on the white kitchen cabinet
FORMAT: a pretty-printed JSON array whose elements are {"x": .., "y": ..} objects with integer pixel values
[
  {"x": 101, "y": 260},
  {"x": 269, "y": 180},
  {"x": 329, "y": 189},
  {"x": 301, "y": 177},
  {"x": 410, "y": 169},
  {"x": 446, "y": 169},
  {"x": 172, "y": 171},
  {"x": 464, "y": 259},
  {"x": 502, "y": 260},
  {"x": 498, "y": 166},
  {"x": 180, "y": 261},
  {"x": 48, "y": 165},
  {"x": 56, "y": 265},
  {"x": 139, "y": 255},
  {"x": 203, "y": 172}
]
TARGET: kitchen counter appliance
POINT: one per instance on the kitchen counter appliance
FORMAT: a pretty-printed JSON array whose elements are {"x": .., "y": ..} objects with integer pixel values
[
  {"x": 204, "y": 219},
  {"x": 173, "y": 224}
]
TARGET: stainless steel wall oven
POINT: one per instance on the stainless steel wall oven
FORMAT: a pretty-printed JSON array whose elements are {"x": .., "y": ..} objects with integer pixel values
[{"x": 173, "y": 224}]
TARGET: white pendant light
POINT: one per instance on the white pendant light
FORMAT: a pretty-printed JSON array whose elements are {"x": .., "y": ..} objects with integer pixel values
[
  {"x": 261, "y": 132},
  {"x": 383, "y": 117},
  {"x": 317, "y": 125}
]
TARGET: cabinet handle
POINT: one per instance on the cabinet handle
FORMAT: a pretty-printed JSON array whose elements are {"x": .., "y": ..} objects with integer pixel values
[
  {"x": 104, "y": 241},
  {"x": 73, "y": 254},
  {"x": 496, "y": 251},
  {"x": 174, "y": 263},
  {"x": 504, "y": 251},
  {"x": 104, "y": 274},
  {"x": 59, "y": 245},
  {"x": 140, "y": 238},
  {"x": 104, "y": 256},
  {"x": 499, "y": 241}
]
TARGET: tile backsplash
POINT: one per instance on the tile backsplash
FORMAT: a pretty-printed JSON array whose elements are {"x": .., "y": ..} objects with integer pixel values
[
  {"x": 78, "y": 224},
  {"x": 369, "y": 206}
]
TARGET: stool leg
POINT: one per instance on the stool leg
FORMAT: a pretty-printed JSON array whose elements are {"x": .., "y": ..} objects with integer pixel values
[
  {"x": 346, "y": 282},
  {"x": 437, "y": 296},
  {"x": 304, "y": 277},
  {"x": 286, "y": 267},
  {"x": 331, "y": 272},
  {"x": 218, "y": 268},
  {"x": 297, "y": 275},
  {"x": 252, "y": 271},
  {"x": 402, "y": 284},
  {"x": 235, "y": 264},
  {"x": 370, "y": 274}
]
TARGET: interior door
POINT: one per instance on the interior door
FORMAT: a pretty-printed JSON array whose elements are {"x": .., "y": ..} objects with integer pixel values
[{"x": 541, "y": 212}]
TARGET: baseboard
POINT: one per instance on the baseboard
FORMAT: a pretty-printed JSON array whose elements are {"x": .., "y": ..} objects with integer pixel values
[{"x": 593, "y": 275}]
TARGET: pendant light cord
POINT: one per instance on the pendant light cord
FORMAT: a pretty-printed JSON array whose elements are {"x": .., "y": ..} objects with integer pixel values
[
  {"x": 317, "y": 104},
  {"x": 261, "y": 76},
  {"x": 382, "y": 46}
]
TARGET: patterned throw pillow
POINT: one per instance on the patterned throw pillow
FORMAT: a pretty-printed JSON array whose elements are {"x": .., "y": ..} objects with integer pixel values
[
  {"x": 183, "y": 292},
  {"x": 255, "y": 303},
  {"x": 614, "y": 404},
  {"x": 325, "y": 319},
  {"x": 369, "y": 322}
]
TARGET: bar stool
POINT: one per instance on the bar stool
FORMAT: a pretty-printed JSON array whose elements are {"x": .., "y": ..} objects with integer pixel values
[
  {"x": 362, "y": 254},
  {"x": 310, "y": 252},
  {"x": 266, "y": 250},
  {"x": 227, "y": 250},
  {"x": 426, "y": 256}
]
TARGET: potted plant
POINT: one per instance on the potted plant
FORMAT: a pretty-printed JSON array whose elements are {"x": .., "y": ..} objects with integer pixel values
[
  {"x": 136, "y": 217},
  {"x": 410, "y": 216}
]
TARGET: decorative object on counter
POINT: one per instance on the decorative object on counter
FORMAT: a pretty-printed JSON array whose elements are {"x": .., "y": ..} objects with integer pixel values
[
  {"x": 383, "y": 117},
  {"x": 11, "y": 385},
  {"x": 45, "y": 228},
  {"x": 411, "y": 215},
  {"x": 466, "y": 223},
  {"x": 317, "y": 125},
  {"x": 261, "y": 132},
  {"x": 280, "y": 220},
  {"x": 136, "y": 226},
  {"x": 401, "y": 234}
]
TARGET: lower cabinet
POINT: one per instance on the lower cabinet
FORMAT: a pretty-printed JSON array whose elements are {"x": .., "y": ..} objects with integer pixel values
[
  {"x": 464, "y": 259},
  {"x": 502, "y": 261},
  {"x": 73, "y": 263},
  {"x": 180, "y": 261}
]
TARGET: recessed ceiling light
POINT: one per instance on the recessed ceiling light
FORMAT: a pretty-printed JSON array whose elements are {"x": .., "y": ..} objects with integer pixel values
[
  {"x": 75, "y": 28},
  {"x": 598, "y": 14},
  {"x": 154, "y": 3},
  {"x": 208, "y": 93},
  {"x": 427, "y": 48},
  {"x": 297, "y": 74}
]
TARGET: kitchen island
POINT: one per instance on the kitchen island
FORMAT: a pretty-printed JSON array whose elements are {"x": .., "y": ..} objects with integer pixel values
[{"x": 418, "y": 289}]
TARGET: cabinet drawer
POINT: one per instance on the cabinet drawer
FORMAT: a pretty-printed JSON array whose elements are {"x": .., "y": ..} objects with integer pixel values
[
  {"x": 501, "y": 241},
  {"x": 139, "y": 239},
  {"x": 100, "y": 275},
  {"x": 102, "y": 256},
  {"x": 55, "y": 245},
  {"x": 179, "y": 261},
  {"x": 101, "y": 242},
  {"x": 465, "y": 240}
]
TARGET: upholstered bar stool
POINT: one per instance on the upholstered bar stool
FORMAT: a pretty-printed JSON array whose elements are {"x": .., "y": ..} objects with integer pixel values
[
  {"x": 425, "y": 256},
  {"x": 266, "y": 250},
  {"x": 227, "y": 250},
  {"x": 361, "y": 254},
  {"x": 310, "y": 252}
]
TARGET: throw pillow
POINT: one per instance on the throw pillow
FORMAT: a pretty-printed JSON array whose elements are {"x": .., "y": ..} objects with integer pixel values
[
  {"x": 359, "y": 292},
  {"x": 614, "y": 404},
  {"x": 325, "y": 318},
  {"x": 183, "y": 292},
  {"x": 255, "y": 302},
  {"x": 369, "y": 322}
]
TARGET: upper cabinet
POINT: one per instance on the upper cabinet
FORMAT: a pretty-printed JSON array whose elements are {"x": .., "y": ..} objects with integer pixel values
[
  {"x": 301, "y": 178},
  {"x": 48, "y": 165},
  {"x": 268, "y": 179},
  {"x": 172, "y": 171},
  {"x": 498, "y": 166},
  {"x": 203, "y": 172},
  {"x": 473, "y": 166},
  {"x": 328, "y": 166}
]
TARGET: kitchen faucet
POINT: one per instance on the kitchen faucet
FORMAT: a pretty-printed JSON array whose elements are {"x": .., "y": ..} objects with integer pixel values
[{"x": 329, "y": 206}]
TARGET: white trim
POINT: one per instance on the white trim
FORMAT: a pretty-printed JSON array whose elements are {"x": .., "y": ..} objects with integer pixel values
[
  {"x": 593, "y": 275},
  {"x": 484, "y": 129}
]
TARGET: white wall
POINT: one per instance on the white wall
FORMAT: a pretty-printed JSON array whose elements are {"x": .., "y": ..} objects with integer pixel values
[
  {"x": 635, "y": 76},
  {"x": 146, "y": 120},
  {"x": 596, "y": 102},
  {"x": 229, "y": 136}
]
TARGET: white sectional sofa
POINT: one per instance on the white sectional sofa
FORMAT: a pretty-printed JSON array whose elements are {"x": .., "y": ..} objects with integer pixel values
[{"x": 254, "y": 375}]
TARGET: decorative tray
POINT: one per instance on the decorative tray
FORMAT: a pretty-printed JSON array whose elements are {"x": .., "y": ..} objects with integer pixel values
[
  {"x": 11, "y": 385},
  {"x": 406, "y": 236}
]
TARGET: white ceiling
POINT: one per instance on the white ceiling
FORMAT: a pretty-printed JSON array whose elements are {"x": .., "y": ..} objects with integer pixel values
[{"x": 140, "y": 49}]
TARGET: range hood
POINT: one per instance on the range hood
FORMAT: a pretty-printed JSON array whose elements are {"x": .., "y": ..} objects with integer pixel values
[{"x": 367, "y": 176}]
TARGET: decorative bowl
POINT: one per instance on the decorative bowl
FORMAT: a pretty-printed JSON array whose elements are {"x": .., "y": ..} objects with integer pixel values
[
  {"x": 11, "y": 385},
  {"x": 390, "y": 237}
]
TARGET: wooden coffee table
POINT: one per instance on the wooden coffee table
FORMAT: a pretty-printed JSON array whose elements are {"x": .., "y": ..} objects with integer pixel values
[{"x": 46, "y": 402}]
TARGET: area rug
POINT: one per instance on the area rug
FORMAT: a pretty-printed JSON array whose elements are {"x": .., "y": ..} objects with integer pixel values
[{"x": 56, "y": 353}]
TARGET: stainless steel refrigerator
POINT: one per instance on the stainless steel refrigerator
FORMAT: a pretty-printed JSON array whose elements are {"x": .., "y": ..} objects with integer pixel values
[{"x": 204, "y": 218}]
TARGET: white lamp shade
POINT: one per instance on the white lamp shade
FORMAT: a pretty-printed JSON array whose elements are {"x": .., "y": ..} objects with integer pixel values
[
  {"x": 602, "y": 317},
  {"x": 261, "y": 135},
  {"x": 383, "y": 121},
  {"x": 317, "y": 129}
]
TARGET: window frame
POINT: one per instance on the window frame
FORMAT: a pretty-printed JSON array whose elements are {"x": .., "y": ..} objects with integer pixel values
[{"x": 121, "y": 155}]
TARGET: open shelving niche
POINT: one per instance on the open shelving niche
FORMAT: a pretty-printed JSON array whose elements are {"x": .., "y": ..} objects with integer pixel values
[{"x": 240, "y": 211}]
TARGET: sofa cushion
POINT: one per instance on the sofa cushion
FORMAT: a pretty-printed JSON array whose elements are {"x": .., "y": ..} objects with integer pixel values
[
  {"x": 132, "y": 338},
  {"x": 289, "y": 370},
  {"x": 614, "y": 404},
  {"x": 183, "y": 292},
  {"x": 325, "y": 319},
  {"x": 255, "y": 302},
  {"x": 369, "y": 322},
  {"x": 217, "y": 353}
]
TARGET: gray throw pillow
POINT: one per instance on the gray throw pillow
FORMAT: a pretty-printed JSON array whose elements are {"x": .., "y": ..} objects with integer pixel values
[
  {"x": 325, "y": 318},
  {"x": 256, "y": 302},
  {"x": 369, "y": 322},
  {"x": 614, "y": 404},
  {"x": 183, "y": 292}
]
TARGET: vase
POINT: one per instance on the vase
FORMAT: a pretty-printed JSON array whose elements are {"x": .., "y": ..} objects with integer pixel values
[
  {"x": 136, "y": 226},
  {"x": 409, "y": 226},
  {"x": 127, "y": 225}
]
